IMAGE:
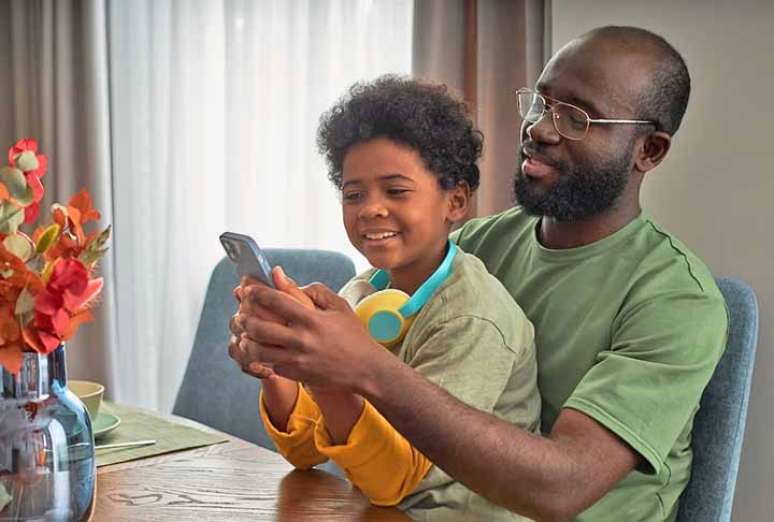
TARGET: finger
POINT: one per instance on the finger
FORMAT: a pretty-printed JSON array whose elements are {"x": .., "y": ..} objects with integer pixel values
[
  {"x": 251, "y": 349},
  {"x": 258, "y": 370},
  {"x": 235, "y": 352},
  {"x": 324, "y": 298},
  {"x": 279, "y": 358},
  {"x": 249, "y": 281},
  {"x": 285, "y": 284},
  {"x": 279, "y": 303},
  {"x": 233, "y": 326},
  {"x": 244, "y": 283},
  {"x": 266, "y": 333},
  {"x": 247, "y": 308}
]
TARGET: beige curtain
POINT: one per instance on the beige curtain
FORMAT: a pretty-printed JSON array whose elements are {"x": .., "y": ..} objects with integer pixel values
[
  {"x": 484, "y": 50},
  {"x": 55, "y": 88}
]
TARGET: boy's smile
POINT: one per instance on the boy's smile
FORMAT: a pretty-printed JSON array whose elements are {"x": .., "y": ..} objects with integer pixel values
[{"x": 395, "y": 211}]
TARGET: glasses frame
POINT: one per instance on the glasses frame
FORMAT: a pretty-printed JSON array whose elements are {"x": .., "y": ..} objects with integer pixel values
[{"x": 589, "y": 120}]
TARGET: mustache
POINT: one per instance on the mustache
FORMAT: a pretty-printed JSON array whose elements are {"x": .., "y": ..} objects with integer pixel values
[{"x": 533, "y": 150}]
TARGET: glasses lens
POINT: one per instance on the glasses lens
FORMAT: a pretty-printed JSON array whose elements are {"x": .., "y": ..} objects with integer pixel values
[
  {"x": 570, "y": 121},
  {"x": 531, "y": 106}
]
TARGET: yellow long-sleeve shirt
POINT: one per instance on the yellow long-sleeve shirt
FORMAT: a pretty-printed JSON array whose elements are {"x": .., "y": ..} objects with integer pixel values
[{"x": 376, "y": 458}]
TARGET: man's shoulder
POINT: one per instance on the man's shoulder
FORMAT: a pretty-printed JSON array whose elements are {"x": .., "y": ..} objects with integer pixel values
[{"x": 663, "y": 260}]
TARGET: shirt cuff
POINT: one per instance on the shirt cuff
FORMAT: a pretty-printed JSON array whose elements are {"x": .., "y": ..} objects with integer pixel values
[{"x": 300, "y": 423}]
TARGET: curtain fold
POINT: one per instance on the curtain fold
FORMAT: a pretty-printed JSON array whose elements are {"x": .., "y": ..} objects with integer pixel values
[
  {"x": 57, "y": 92},
  {"x": 215, "y": 106},
  {"x": 484, "y": 51}
]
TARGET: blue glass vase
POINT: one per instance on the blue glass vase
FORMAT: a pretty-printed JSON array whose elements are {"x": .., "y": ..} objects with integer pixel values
[{"x": 47, "y": 465}]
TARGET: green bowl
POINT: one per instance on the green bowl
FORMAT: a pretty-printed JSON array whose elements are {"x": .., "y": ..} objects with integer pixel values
[{"x": 90, "y": 393}]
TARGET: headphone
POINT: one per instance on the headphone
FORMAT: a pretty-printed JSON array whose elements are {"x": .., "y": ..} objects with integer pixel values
[{"x": 389, "y": 312}]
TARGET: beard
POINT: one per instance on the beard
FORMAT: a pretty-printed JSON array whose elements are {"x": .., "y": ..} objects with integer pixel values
[{"x": 581, "y": 191}]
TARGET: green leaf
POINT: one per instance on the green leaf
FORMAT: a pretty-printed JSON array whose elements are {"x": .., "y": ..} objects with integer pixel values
[
  {"x": 11, "y": 217},
  {"x": 96, "y": 248},
  {"x": 27, "y": 161},
  {"x": 47, "y": 238},
  {"x": 16, "y": 184},
  {"x": 19, "y": 245},
  {"x": 25, "y": 304},
  {"x": 5, "y": 498}
]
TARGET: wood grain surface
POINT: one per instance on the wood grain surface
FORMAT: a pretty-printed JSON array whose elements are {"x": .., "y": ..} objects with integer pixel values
[{"x": 232, "y": 481}]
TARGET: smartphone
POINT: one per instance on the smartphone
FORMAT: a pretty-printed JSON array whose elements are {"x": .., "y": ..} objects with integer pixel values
[{"x": 247, "y": 257}]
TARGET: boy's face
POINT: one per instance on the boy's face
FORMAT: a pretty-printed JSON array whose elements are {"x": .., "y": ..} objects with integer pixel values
[{"x": 395, "y": 211}]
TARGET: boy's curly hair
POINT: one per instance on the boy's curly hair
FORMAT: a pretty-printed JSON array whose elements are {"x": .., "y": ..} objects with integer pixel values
[{"x": 422, "y": 116}]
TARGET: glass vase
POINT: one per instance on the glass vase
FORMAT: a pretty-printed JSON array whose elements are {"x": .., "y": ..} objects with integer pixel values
[{"x": 47, "y": 464}]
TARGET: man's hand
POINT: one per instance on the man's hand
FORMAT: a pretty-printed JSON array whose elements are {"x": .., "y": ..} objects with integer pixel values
[
  {"x": 242, "y": 349},
  {"x": 326, "y": 346}
]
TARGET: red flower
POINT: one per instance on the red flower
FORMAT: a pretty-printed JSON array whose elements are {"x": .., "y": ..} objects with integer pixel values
[{"x": 67, "y": 292}]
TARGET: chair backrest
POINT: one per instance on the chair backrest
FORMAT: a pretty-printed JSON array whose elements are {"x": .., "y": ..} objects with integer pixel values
[
  {"x": 718, "y": 428},
  {"x": 214, "y": 391}
]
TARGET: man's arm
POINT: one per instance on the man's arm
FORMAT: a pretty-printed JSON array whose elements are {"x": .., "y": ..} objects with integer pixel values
[{"x": 547, "y": 478}]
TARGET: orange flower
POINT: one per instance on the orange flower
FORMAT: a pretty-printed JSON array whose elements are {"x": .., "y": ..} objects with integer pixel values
[
  {"x": 11, "y": 357},
  {"x": 82, "y": 202},
  {"x": 44, "y": 302},
  {"x": 73, "y": 240}
]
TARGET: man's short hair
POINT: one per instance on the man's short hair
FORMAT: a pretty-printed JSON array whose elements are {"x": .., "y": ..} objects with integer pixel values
[{"x": 665, "y": 98}]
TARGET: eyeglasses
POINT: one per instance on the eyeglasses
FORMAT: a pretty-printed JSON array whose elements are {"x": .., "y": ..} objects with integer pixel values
[{"x": 570, "y": 121}]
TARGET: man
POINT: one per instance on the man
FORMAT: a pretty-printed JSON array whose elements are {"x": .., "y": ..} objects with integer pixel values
[{"x": 629, "y": 323}]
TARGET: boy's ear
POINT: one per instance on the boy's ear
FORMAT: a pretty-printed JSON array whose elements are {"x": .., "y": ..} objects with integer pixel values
[{"x": 459, "y": 200}]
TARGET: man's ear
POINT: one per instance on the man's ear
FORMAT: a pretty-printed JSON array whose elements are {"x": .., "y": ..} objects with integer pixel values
[
  {"x": 653, "y": 151},
  {"x": 459, "y": 200}
]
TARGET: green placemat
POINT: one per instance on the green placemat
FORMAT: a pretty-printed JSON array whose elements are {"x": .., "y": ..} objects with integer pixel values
[{"x": 138, "y": 424}]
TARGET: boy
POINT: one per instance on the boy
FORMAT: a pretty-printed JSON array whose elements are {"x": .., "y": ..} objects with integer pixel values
[{"x": 403, "y": 154}]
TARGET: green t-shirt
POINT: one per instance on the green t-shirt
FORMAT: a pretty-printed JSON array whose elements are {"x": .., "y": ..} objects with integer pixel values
[{"x": 628, "y": 330}]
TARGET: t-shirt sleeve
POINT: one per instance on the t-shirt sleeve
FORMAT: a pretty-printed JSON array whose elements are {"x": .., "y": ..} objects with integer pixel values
[
  {"x": 646, "y": 387},
  {"x": 468, "y": 357}
]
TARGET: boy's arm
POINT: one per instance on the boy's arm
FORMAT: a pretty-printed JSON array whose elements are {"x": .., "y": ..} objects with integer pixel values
[
  {"x": 295, "y": 440},
  {"x": 375, "y": 457}
]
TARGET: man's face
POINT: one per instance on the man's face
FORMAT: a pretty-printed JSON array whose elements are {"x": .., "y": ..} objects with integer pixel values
[
  {"x": 579, "y": 189},
  {"x": 574, "y": 180}
]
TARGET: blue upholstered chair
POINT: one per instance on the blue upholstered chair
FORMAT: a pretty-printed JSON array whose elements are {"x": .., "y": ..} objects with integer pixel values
[
  {"x": 214, "y": 391},
  {"x": 718, "y": 429}
]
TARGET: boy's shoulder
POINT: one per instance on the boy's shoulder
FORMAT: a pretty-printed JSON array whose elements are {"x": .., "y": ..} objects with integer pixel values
[
  {"x": 498, "y": 229},
  {"x": 472, "y": 292}
]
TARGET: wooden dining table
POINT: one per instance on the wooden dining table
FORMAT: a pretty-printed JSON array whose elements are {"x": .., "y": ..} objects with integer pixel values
[{"x": 230, "y": 481}]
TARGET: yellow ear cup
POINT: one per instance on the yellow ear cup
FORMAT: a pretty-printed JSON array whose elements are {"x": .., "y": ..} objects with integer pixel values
[{"x": 379, "y": 313}]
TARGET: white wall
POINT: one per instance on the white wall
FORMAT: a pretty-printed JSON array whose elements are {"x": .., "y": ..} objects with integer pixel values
[{"x": 715, "y": 189}]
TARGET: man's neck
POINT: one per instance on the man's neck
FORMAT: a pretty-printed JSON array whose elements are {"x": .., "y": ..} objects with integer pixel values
[{"x": 571, "y": 234}]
